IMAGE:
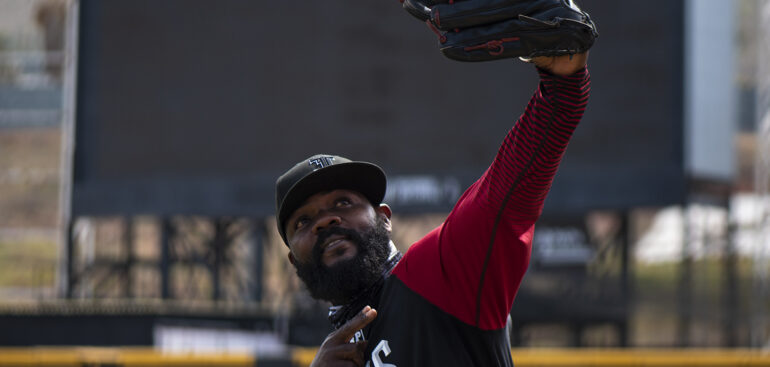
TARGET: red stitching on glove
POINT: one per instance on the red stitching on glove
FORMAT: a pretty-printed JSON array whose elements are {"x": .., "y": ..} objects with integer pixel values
[
  {"x": 438, "y": 19},
  {"x": 441, "y": 37},
  {"x": 495, "y": 47}
]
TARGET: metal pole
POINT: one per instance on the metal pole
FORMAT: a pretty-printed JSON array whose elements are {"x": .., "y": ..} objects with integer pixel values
[
  {"x": 685, "y": 281},
  {"x": 165, "y": 244},
  {"x": 731, "y": 296},
  {"x": 219, "y": 244},
  {"x": 69, "y": 261},
  {"x": 626, "y": 281},
  {"x": 128, "y": 241},
  {"x": 63, "y": 280},
  {"x": 259, "y": 258},
  {"x": 761, "y": 265}
]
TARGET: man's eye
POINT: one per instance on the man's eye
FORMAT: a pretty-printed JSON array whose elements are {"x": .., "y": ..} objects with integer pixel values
[
  {"x": 301, "y": 222},
  {"x": 342, "y": 202}
]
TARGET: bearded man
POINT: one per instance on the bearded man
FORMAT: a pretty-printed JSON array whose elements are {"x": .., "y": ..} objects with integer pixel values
[{"x": 446, "y": 301}]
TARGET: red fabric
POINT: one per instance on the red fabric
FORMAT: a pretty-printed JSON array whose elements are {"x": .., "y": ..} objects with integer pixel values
[{"x": 493, "y": 222}]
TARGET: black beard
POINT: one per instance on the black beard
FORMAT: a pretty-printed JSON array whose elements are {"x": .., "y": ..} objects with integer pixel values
[{"x": 340, "y": 283}]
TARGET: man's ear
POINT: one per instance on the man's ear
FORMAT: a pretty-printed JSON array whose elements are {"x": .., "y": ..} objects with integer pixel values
[
  {"x": 291, "y": 258},
  {"x": 384, "y": 211}
]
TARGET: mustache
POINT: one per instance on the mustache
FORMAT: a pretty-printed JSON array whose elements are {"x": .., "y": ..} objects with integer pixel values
[{"x": 324, "y": 234}]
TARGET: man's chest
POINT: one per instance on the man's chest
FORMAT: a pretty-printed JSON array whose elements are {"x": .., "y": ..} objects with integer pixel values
[{"x": 409, "y": 331}]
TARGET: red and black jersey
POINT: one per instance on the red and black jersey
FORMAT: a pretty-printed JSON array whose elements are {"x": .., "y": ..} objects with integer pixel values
[{"x": 447, "y": 300}]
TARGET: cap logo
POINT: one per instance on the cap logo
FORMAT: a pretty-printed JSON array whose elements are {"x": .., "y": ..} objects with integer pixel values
[{"x": 321, "y": 162}]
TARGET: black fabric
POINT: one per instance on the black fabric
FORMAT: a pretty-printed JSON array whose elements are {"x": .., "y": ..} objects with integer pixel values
[
  {"x": 369, "y": 297},
  {"x": 409, "y": 331}
]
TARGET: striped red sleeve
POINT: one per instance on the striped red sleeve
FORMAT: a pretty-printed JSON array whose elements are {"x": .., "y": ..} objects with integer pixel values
[
  {"x": 472, "y": 265},
  {"x": 525, "y": 165}
]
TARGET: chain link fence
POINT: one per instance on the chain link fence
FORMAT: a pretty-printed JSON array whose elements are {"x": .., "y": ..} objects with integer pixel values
[{"x": 761, "y": 262}]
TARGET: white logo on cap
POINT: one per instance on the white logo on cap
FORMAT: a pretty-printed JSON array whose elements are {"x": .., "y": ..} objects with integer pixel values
[{"x": 321, "y": 162}]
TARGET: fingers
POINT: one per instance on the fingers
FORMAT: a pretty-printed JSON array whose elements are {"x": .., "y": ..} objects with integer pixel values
[
  {"x": 337, "y": 350},
  {"x": 357, "y": 353},
  {"x": 344, "y": 354},
  {"x": 347, "y": 331},
  {"x": 561, "y": 65}
]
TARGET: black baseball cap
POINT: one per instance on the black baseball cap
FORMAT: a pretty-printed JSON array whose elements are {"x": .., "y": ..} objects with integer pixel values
[{"x": 325, "y": 172}]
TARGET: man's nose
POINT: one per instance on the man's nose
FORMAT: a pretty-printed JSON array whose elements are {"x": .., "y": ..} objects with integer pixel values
[{"x": 326, "y": 220}]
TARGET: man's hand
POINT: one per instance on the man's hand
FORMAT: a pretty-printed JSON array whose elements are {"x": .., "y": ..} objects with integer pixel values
[
  {"x": 561, "y": 65},
  {"x": 337, "y": 350}
]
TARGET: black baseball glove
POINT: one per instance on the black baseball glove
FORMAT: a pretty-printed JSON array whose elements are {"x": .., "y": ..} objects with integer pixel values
[{"x": 482, "y": 30}]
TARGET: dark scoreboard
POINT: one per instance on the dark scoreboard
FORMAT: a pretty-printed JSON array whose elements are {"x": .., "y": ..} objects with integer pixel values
[{"x": 196, "y": 106}]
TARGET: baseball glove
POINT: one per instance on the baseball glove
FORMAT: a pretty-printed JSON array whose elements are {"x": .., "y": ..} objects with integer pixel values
[{"x": 482, "y": 30}]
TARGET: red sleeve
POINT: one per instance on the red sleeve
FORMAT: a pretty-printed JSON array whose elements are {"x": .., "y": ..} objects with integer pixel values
[{"x": 472, "y": 265}]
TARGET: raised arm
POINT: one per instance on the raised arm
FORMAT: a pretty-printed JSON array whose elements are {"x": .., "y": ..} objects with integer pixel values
[
  {"x": 472, "y": 265},
  {"x": 522, "y": 172}
]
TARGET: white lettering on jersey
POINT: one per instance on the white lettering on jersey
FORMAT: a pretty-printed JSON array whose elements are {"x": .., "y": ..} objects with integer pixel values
[
  {"x": 358, "y": 337},
  {"x": 376, "y": 361}
]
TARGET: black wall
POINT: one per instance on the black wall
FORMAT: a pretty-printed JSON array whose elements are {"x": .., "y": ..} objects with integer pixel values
[{"x": 196, "y": 106}]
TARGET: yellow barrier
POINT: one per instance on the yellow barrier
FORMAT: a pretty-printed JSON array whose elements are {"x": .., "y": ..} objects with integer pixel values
[
  {"x": 522, "y": 357},
  {"x": 535, "y": 357},
  {"x": 547, "y": 357},
  {"x": 140, "y": 357}
]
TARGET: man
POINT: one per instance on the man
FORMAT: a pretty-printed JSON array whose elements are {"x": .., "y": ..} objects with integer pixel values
[{"x": 446, "y": 301}]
